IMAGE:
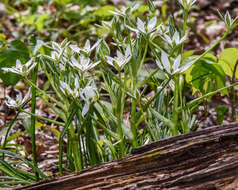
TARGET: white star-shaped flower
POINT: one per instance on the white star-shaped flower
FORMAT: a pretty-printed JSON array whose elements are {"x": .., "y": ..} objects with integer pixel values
[
  {"x": 88, "y": 94},
  {"x": 21, "y": 69},
  {"x": 142, "y": 27},
  {"x": 87, "y": 49},
  {"x": 83, "y": 63},
  {"x": 18, "y": 102},
  {"x": 65, "y": 88},
  {"x": 120, "y": 60},
  {"x": 175, "y": 40},
  {"x": 176, "y": 67}
]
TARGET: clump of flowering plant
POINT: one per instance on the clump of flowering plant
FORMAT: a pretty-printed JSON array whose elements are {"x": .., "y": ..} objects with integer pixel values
[{"x": 100, "y": 93}]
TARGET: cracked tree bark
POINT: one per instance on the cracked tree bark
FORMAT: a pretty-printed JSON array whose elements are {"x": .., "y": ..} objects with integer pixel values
[{"x": 202, "y": 160}]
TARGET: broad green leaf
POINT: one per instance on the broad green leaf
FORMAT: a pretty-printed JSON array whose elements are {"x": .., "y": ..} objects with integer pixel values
[
  {"x": 62, "y": 2},
  {"x": 86, "y": 21},
  {"x": 206, "y": 75},
  {"x": 104, "y": 11},
  {"x": 228, "y": 59},
  {"x": 8, "y": 57},
  {"x": 141, "y": 10},
  {"x": 40, "y": 21},
  {"x": 29, "y": 19}
]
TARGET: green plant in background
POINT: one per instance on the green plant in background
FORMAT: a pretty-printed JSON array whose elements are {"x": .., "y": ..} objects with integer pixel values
[
  {"x": 100, "y": 93},
  {"x": 229, "y": 61}
]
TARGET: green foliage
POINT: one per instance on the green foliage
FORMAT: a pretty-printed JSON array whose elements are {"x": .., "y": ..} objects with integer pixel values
[
  {"x": 206, "y": 75},
  {"x": 8, "y": 56},
  {"x": 221, "y": 111},
  {"x": 228, "y": 60},
  {"x": 62, "y": 2},
  {"x": 104, "y": 11},
  {"x": 37, "y": 21},
  {"x": 151, "y": 6}
]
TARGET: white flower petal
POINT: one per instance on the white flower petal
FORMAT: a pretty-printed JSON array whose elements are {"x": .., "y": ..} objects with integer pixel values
[
  {"x": 187, "y": 66},
  {"x": 168, "y": 39},
  {"x": 18, "y": 63},
  {"x": 176, "y": 37},
  {"x": 56, "y": 46},
  {"x": 85, "y": 108},
  {"x": 177, "y": 63},
  {"x": 119, "y": 54},
  {"x": 151, "y": 24},
  {"x": 76, "y": 83},
  {"x": 87, "y": 45},
  {"x": 165, "y": 62},
  {"x": 65, "y": 88},
  {"x": 132, "y": 29},
  {"x": 75, "y": 48},
  {"x": 141, "y": 25},
  {"x": 74, "y": 63},
  {"x": 110, "y": 60},
  {"x": 96, "y": 44},
  {"x": 94, "y": 64},
  {"x": 39, "y": 44},
  {"x": 159, "y": 64},
  {"x": 6, "y": 69},
  {"x": 27, "y": 96},
  {"x": 183, "y": 39},
  {"x": 10, "y": 102},
  {"x": 128, "y": 51}
]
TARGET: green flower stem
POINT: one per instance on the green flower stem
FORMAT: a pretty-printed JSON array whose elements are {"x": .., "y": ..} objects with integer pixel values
[
  {"x": 52, "y": 82},
  {"x": 185, "y": 22},
  {"x": 42, "y": 118},
  {"x": 66, "y": 126},
  {"x": 120, "y": 107},
  {"x": 175, "y": 106},
  {"x": 33, "y": 120},
  {"x": 155, "y": 45},
  {"x": 75, "y": 148},
  {"x": 181, "y": 85},
  {"x": 43, "y": 92},
  {"x": 10, "y": 125},
  {"x": 73, "y": 137},
  {"x": 213, "y": 46},
  {"x": 200, "y": 99},
  {"x": 134, "y": 101},
  {"x": 133, "y": 123}
]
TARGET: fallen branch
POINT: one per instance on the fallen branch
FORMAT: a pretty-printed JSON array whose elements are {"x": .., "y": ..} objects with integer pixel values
[{"x": 206, "y": 159}]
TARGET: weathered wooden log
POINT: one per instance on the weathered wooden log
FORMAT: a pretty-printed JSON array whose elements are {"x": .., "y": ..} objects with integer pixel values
[{"x": 202, "y": 160}]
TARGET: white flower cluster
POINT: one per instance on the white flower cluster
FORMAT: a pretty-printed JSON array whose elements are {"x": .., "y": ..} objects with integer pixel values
[
  {"x": 120, "y": 60},
  {"x": 165, "y": 64},
  {"x": 21, "y": 69},
  {"x": 88, "y": 93},
  {"x": 148, "y": 28},
  {"x": 19, "y": 101}
]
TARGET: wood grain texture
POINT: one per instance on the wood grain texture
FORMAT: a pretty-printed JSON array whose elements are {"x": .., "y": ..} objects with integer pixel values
[{"x": 202, "y": 160}]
